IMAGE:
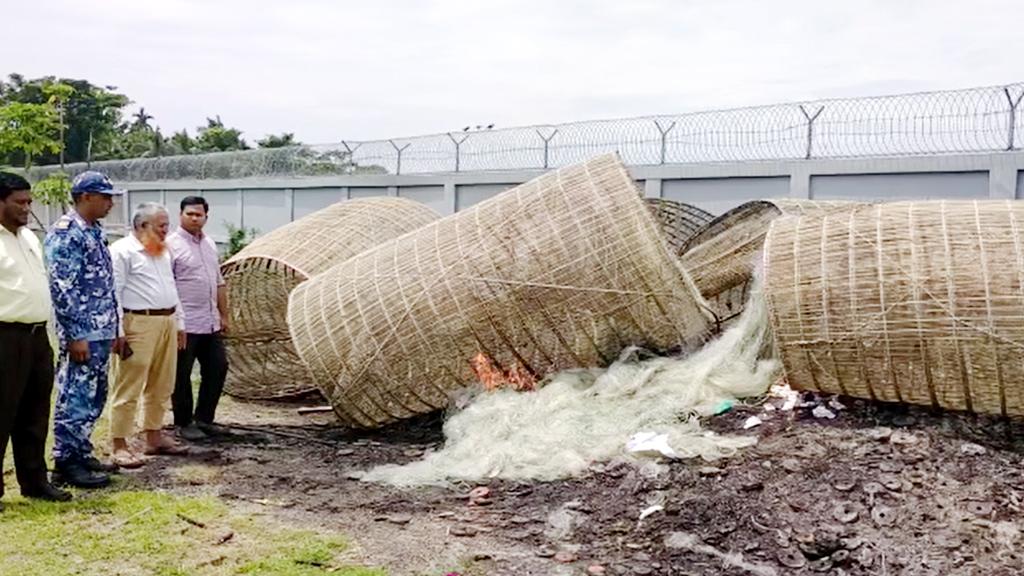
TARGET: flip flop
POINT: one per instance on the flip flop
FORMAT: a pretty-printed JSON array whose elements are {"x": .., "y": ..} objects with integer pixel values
[{"x": 128, "y": 460}]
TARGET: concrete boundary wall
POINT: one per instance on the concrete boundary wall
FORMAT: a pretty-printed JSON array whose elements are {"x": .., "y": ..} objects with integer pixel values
[{"x": 267, "y": 203}]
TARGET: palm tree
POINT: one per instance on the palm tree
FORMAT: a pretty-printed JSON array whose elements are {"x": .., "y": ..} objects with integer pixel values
[{"x": 142, "y": 119}]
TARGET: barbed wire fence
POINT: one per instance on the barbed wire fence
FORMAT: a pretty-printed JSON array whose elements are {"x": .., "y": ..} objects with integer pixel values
[{"x": 986, "y": 119}]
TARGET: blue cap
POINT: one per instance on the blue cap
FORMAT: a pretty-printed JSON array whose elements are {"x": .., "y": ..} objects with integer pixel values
[{"x": 93, "y": 182}]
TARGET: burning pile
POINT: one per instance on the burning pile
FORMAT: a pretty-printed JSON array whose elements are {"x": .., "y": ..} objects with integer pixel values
[
  {"x": 562, "y": 272},
  {"x": 523, "y": 297},
  {"x": 584, "y": 416}
]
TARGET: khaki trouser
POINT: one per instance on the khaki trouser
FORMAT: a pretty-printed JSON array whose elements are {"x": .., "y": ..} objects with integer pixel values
[{"x": 149, "y": 372}]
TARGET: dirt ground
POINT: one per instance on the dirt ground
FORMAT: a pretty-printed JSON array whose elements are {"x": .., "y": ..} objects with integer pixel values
[{"x": 879, "y": 490}]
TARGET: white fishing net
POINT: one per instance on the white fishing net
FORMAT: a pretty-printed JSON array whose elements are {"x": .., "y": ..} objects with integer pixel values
[{"x": 580, "y": 417}]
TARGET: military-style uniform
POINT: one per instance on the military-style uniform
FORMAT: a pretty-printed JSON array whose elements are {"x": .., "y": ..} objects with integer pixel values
[{"x": 82, "y": 288}]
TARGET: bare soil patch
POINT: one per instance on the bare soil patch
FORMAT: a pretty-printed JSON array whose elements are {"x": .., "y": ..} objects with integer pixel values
[{"x": 880, "y": 489}]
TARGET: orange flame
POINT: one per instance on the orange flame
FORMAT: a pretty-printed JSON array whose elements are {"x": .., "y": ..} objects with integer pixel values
[{"x": 492, "y": 377}]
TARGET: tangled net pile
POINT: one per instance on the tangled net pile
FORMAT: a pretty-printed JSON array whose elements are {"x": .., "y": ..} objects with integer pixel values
[{"x": 580, "y": 417}]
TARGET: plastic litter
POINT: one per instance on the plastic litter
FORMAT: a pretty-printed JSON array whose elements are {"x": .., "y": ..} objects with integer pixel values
[
  {"x": 752, "y": 422},
  {"x": 650, "y": 443},
  {"x": 823, "y": 412},
  {"x": 650, "y": 510}
]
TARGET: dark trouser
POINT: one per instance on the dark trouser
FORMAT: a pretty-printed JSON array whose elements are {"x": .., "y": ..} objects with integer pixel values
[
  {"x": 213, "y": 369},
  {"x": 26, "y": 380}
]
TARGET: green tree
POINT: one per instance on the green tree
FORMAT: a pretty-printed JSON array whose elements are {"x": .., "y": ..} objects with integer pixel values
[
  {"x": 181, "y": 143},
  {"x": 215, "y": 137},
  {"x": 278, "y": 141},
  {"x": 54, "y": 190},
  {"x": 57, "y": 95},
  {"x": 92, "y": 114},
  {"x": 238, "y": 238},
  {"x": 141, "y": 119},
  {"x": 139, "y": 142},
  {"x": 159, "y": 143},
  {"x": 27, "y": 131}
]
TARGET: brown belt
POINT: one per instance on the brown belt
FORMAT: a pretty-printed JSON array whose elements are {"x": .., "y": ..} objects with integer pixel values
[
  {"x": 31, "y": 328},
  {"x": 153, "y": 312}
]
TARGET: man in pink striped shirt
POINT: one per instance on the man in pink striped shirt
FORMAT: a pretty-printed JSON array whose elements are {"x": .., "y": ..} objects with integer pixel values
[{"x": 203, "y": 296}]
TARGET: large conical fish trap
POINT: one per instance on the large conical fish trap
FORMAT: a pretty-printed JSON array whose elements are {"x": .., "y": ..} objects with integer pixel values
[
  {"x": 919, "y": 302},
  {"x": 721, "y": 256},
  {"x": 563, "y": 271},
  {"x": 679, "y": 222},
  {"x": 259, "y": 278}
]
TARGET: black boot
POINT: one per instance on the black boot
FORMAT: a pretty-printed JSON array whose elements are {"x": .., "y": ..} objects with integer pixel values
[
  {"x": 76, "y": 474},
  {"x": 93, "y": 463},
  {"x": 46, "y": 491}
]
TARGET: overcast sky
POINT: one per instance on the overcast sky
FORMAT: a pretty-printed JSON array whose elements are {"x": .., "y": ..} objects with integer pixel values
[{"x": 330, "y": 70}]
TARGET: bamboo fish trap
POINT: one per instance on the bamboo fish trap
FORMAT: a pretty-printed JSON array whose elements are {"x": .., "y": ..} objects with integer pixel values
[
  {"x": 721, "y": 256},
  {"x": 563, "y": 271},
  {"x": 679, "y": 222},
  {"x": 918, "y": 302},
  {"x": 259, "y": 278}
]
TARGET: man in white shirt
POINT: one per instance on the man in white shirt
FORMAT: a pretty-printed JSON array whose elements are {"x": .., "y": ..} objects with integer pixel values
[
  {"x": 26, "y": 359},
  {"x": 152, "y": 332}
]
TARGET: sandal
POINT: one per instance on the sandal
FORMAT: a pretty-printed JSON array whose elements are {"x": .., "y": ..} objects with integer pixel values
[
  {"x": 166, "y": 448},
  {"x": 127, "y": 459}
]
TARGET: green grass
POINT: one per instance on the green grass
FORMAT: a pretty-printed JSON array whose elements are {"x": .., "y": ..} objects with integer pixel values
[
  {"x": 142, "y": 533},
  {"x": 152, "y": 533},
  {"x": 100, "y": 441}
]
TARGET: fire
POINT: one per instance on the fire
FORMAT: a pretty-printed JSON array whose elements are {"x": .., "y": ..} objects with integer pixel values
[{"x": 493, "y": 377}]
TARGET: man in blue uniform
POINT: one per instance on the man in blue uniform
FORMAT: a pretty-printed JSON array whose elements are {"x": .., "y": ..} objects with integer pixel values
[{"x": 82, "y": 288}]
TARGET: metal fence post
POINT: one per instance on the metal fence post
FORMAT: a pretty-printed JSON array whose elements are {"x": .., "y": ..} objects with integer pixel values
[
  {"x": 810, "y": 127},
  {"x": 126, "y": 210},
  {"x": 1012, "y": 132},
  {"x": 664, "y": 137},
  {"x": 289, "y": 203},
  {"x": 240, "y": 200},
  {"x": 546, "y": 140},
  {"x": 458, "y": 148},
  {"x": 398, "y": 165},
  {"x": 351, "y": 150}
]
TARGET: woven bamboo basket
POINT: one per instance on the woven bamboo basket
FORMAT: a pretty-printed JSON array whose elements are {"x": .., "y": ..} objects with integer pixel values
[
  {"x": 918, "y": 302},
  {"x": 721, "y": 257},
  {"x": 259, "y": 278},
  {"x": 563, "y": 271},
  {"x": 679, "y": 222}
]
